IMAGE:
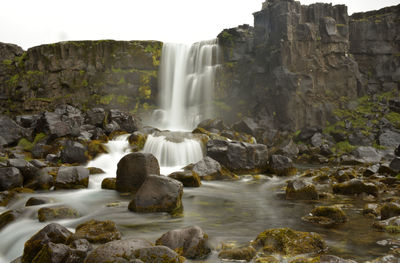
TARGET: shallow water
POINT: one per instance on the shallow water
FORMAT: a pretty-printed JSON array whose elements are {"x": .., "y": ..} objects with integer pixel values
[{"x": 228, "y": 211}]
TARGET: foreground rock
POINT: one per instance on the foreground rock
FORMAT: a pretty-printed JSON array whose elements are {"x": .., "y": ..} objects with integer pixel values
[
  {"x": 389, "y": 210},
  {"x": 72, "y": 177},
  {"x": 286, "y": 241},
  {"x": 190, "y": 242},
  {"x": 96, "y": 231},
  {"x": 58, "y": 212},
  {"x": 132, "y": 250},
  {"x": 158, "y": 194},
  {"x": 188, "y": 178},
  {"x": 109, "y": 183},
  {"x": 301, "y": 190},
  {"x": 390, "y": 225},
  {"x": 133, "y": 169},
  {"x": 209, "y": 169},
  {"x": 239, "y": 157}
]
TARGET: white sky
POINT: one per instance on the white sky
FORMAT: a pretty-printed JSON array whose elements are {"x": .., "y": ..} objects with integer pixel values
[{"x": 33, "y": 22}]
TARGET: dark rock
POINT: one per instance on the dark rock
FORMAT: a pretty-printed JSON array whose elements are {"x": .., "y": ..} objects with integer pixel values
[
  {"x": 52, "y": 158},
  {"x": 38, "y": 164},
  {"x": 367, "y": 154},
  {"x": 386, "y": 169},
  {"x": 325, "y": 150},
  {"x": 27, "y": 170},
  {"x": 58, "y": 212},
  {"x": 43, "y": 179},
  {"x": 371, "y": 209},
  {"x": 95, "y": 170},
  {"x": 137, "y": 141},
  {"x": 355, "y": 186},
  {"x": 239, "y": 157},
  {"x": 307, "y": 133},
  {"x": 73, "y": 177},
  {"x": 301, "y": 190},
  {"x": 52, "y": 253},
  {"x": 158, "y": 194},
  {"x": 190, "y": 242},
  {"x": 95, "y": 116},
  {"x": 395, "y": 165},
  {"x": 124, "y": 120},
  {"x": 133, "y": 170},
  {"x": 389, "y": 210},
  {"x": 290, "y": 150},
  {"x": 109, "y": 183},
  {"x": 246, "y": 125},
  {"x": 389, "y": 139},
  {"x": 132, "y": 250},
  {"x": 37, "y": 201},
  {"x": 334, "y": 213},
  {"x": 95, "y": 148},
  {"x": 358, "y": 138},
  {"x": 397, "y": 151},
  {"x": 8, "y": 217},
  {"x": 40, "y": 150},
  {"x": 246, "y": 253},
  {"x": 371, "y": 170},
  {"x": 27, "y": 121},
  {"x": 286, "y": 241},
  {"x": 96, "y": 231},
  {"x": 10, "y": 177},
  {"x": 53, "y": 232},
  {"x": 188, "y": 178},
  {"x": 212, "y": 125},
  {"x": 10, "y": 131},
  {"x": 208, "y": 169},
  {"x": 112, "y": 127},
  {"x": 74, "y": 152},
  {"x": 281, "y": 165}
]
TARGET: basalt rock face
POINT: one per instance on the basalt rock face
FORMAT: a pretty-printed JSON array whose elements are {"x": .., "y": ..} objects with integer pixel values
[
  {"x": 114, "y": 74},
  {"x": 300, "y": 63},
  {"x": 375, "y": 44}
]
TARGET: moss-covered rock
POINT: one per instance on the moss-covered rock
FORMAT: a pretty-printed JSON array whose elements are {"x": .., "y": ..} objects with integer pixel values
[
  {"x": 354, "y": 187},
  {"x": 96, "y": 147},
  {"x": 137, "y": 141},
  {"x": 286, "y": 241},
  {"x": 188, "y": 178},
  {"x": 327, "y": 215},
  {"x": 245, "y": 253},
  {"x": 8, "y": 217},
  {"x": 96, "y": 232},
  {"x": 109, "y": 183},
  {"x": 389, "y": 210},
  {"x": 301, "y": 190},
  {"x": 58, "y": 212}
]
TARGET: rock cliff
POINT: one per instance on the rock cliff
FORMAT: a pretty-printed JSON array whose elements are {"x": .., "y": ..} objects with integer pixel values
[{"x": 119, "y": 74}]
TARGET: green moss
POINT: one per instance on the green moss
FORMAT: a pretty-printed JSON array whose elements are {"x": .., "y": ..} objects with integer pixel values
[
  {"x": 25, "y": 144},
  {"x": 341, "y": 25},
  {"x": 121, "y": 81},
  {"x": 106, "y": 100},
  {"x": 222, "y": 106},
  {"x": 13, "y": 81},
  {"x": 7, "y": 62},
  {"x": 155, "y": 50},
  {"x": 145, "y": 89},
  {"x": 344, "y": 147},
  {"x": 85, "y": 83},
  {"x": 394, "y": 119}
]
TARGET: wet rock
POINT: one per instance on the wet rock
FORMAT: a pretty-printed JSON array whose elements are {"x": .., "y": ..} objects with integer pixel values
[
  {"x": 73, "y": 177},
  {"x": 389, "y": 139},
  {"x": 124, "y": 119},
  {"x": 109, "y": 183},
  {"x": 286, "y": 241},
  {"x": 395, "y": 165},
  {"x": 8, "y": 217},
  {"x": 10, "y": 132},
  {"x": 188, "y": 178},
  {"x": 343, "y": 175},
  {"x": 324, "y": 214},
  {"x": 367, "y": 154},
  {"x": 301, "y": 190},
  {"x": 112, "y": 127},
  {"x": 53, "y": 232},
  {"x": 209, "y": 169},
  {"x": 389, "y": 210},
  {"x": 132, "y": 250},
  {"x": 43, "y": 179},
  {"x": 58, "y": 212},
  {"x": 281, "y": 165},
  {"x": 52, "y": 253},
  {"x": 239, "y": 157},
  {"x": 37, "y": 201},
  {"x": 95, "y": 148},
  {"x": 96, "y": 231},
  {"x": 334, "y": 259},
  {"x": 10, "y": 177},
  {"x": 158, "y": 194},
  {"x": 95, "y": 116},
  {"x": 7, "y": 196},
  {"x": 74, "y": 152},
  {"x": 95, "y": 170},
  {"x": 137, "y": 141},
  {"x": 246, "y": 253},
  {"x": 190, "y": 242},
  {"x": 371, "y": 209},
  {"x": 355, "y": 186},
  {"x": 133, "y": 169},
  {"x": 246, "y": 125},
  {"x": 371, "y": 170},
  {"x": 390, "y": 225},
  {"x": 27, "y": 169}
]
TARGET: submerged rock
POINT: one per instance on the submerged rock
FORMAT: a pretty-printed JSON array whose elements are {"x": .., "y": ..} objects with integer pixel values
[
  {"x": 96, "y": 231},
  {"x": 132, "y": 250},
  {"x": 190, "y": 242},
  {"x": 133, "y": 169},
  {"x": 8, "y": 217},
  {"x": 286, "y": 241},
  {"x": 158, "y": 194}
]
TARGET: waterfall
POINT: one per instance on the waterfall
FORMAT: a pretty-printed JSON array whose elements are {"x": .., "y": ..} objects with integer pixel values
[{"x": 186, "y": 79}]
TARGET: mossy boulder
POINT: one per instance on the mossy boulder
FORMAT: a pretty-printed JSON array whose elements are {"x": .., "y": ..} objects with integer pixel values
[
  {"x": 58, "y": 212},
  {"x": 301, "y": 190},
  {"x": 74, "y": 152},
  {"x": 108, "y": 183},
  {"x": 96, "y": 231},
  {"x": 281, "y": 165},
  {"x": 245, "y": 253},
  {"x": 390, "y": 225},
  {"x": 190, "y": 242},
  {"x": 327, "y": 215},
  {"x": 188, "y": 178},
  {"x": 8, "y": 217},
  {"x": 137, "y": 140},
  {"x": 95, "y": 148},
  {"x": 389, "y": 210},
  {"x": 355, "y": 187},
  {"x": 72, "y": 177},
  {"x": 286, "y": 241},
  {"x": 37, "y": 201},
  {"x": 209, "y": 169}
]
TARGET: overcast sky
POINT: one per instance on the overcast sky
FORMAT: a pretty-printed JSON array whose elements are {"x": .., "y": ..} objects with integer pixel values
[{"x": 34, "y": 22}]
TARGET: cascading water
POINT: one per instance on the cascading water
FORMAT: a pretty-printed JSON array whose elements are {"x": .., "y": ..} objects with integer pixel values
[{"x": 187, "y": 76}]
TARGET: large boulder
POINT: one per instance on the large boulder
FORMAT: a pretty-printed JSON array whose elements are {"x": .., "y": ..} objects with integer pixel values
[
  {"x": 96, "y": 231},
  {"x": 133, "y": 170},
  {"x": 158, "y": 194},
  {"x": 95, "y": 117},
  {"x": 10, "y": 177},
  {"x": 57, "y": 212},
  {"x": 190, "y": 242},
  {"x": 53, "y": 232},
  {"x": 132, "y": 250},
  {"x": 74, "y": 152},
  {"x": 355, "y": 186},
  {"x": 42, "y": 180},
  {"x": 301, "y": 190},
  {"x": 286, "y": 241},
  {"x": 395, "y": 165},
  {"x": 389, "y": 210},
  {"x": 281, "y": 165},
  {"x": 10, "y": 131},
  {"x": 209, "y": 169},
  {"x": 73, "y": 177},
  {"x": 239, "y": 157}
]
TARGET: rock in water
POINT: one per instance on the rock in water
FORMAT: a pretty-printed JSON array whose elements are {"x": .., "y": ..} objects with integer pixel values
[
  {"x": 301, "y": 190},
  {"x": 355, "y": 186},
  {"x": 96, "y": 231},
  {"x": 209, "y": 169},
  {"x": 74, "y": 177},
  {"x": 281, "y": 165},
  {"x": 58, "y": 212},
  {"x": 158, "y": 194},
  {"x": 190, "y": 242},
  {"x": 188, "y": 178},
  {"x": 133, "y": 170},
  {"x": 74, "y": 152}
]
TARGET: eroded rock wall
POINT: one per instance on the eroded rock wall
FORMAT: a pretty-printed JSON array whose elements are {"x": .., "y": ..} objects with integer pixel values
[{"x": 107, "y": 73}]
